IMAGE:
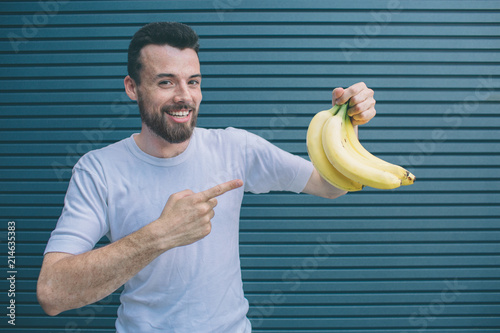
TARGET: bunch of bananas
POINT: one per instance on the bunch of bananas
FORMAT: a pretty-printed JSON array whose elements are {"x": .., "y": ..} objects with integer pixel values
[{"x": 339, "y": 157}]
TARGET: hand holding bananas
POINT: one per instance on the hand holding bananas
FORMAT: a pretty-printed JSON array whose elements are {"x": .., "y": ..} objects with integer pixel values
[
  {"x": 360, "y": 99},
  {"x": 339, "y": 157}
]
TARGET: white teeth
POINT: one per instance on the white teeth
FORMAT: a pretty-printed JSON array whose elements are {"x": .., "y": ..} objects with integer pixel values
[{"x": 179, "y": 113}]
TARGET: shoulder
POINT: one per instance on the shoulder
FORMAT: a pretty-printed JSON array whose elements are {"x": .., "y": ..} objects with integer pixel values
[{"x": 95, "y": 159}]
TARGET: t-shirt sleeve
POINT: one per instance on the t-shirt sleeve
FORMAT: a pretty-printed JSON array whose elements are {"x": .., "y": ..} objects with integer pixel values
[
  {"x": 270, "y": 168},
  {"x": 83, "y": 220}
]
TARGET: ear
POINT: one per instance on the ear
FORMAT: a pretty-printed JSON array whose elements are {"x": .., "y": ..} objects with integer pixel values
[{"x": 130, "y": 88}]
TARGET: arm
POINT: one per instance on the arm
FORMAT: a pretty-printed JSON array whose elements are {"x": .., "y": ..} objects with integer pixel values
[
  {"x": 69, "y": 281},
  {"x": 361, "y": 110},
  {"x": 317, "y": 186}
]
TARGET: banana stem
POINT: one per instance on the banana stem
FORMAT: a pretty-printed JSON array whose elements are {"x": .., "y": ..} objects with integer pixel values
[{"x": 335, "y": 109}]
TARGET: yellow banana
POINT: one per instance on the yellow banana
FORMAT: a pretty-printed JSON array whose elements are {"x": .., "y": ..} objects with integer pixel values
[
  {"x": 340, "y": 153},
  {"x": 407, "y": 178},
  {"x": 318, "y": 156}
]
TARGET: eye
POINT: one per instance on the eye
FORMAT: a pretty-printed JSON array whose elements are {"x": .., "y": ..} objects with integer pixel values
[
  {"x": 165, "y": 82},
  {"x": 194, "y": 82}
]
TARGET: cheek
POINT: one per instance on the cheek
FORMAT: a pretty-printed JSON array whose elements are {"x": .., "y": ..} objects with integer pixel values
[
  {"x": 155, "y": 102},
  {"x": 149, "y": 105},
  {"x": 198, "y": 98}
]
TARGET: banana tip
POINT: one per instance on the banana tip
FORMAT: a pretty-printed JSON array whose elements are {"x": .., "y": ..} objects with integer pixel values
[{"x": 409, "y": 179}]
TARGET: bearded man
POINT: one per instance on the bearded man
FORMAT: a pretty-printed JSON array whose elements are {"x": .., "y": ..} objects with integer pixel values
[{"x": 168, "y": 198}]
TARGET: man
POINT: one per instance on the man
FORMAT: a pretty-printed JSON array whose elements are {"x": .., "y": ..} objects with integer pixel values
[{"x": 168, "y": 198}]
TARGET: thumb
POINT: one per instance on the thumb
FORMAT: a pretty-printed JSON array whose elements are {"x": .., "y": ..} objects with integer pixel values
[{"x": 336, "y": 94}]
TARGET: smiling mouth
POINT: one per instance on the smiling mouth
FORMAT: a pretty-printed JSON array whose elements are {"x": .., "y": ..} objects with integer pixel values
[{"x": 179, "y": 113}]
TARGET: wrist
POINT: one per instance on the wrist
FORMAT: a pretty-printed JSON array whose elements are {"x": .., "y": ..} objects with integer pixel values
[{"x": 150, "y": 239}]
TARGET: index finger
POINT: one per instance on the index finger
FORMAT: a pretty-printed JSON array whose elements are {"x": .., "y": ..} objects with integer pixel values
[{"x": 221, "y": 189}]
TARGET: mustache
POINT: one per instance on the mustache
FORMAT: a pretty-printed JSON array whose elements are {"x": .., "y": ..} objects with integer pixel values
[{"x": 177, "y": 107}]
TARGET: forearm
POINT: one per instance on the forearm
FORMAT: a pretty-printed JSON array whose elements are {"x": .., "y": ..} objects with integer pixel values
[
  {"x": 71, "y": 281},
  {"x": 318, "y": 186}
]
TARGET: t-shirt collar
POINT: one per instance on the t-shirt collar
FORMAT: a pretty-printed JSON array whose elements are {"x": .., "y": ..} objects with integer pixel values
[{"x": 171, "y": 161}]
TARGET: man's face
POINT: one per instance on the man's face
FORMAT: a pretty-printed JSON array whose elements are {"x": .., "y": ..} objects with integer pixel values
[{"x": 169, "y": 94}]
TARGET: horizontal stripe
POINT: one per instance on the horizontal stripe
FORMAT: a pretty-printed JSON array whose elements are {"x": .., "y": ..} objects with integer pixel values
[
  {"x": 186, "y": 5},
  {"x": 257, "y": 16}
]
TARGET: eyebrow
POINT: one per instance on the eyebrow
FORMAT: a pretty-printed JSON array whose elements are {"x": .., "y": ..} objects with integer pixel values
[{"x": 162, "y": 75}]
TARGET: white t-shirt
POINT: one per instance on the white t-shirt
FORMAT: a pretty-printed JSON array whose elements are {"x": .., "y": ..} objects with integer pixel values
[{"x": 118, "y": 189}]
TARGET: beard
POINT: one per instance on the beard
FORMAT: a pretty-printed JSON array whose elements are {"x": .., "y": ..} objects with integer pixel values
[{"x": 169, "y": 131}]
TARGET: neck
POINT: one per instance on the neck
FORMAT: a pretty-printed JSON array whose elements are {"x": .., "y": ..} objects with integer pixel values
[{"x": 156, "y": 146}]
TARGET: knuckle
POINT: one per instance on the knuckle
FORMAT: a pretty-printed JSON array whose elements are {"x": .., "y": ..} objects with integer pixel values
[
  {"x": 203, "y": 209},
  {"x": 360, "y": 86},
  {"x": 213, "y": 202},
  {"x": 204, "y": 220},
  {"x": 355, "y": 102},
  {"x": 176, "y": 196},
  {"x": 363, "y": 117},
  {"x": 217, "y": 189},
  {"x": 359, "y": 120},
  {"x": 356, "y": 109},
  {"x": 180, "y": 195}
]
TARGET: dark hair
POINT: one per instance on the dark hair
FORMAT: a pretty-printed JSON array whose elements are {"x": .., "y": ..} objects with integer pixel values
[{"x": 175, "y": 34}]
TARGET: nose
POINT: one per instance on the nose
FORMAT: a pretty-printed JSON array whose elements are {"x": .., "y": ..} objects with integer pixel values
[{"x": 182, "y": 94}]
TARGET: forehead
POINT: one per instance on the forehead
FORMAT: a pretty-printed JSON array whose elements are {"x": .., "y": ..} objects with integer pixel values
[{"x": 158, "y": 59}]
